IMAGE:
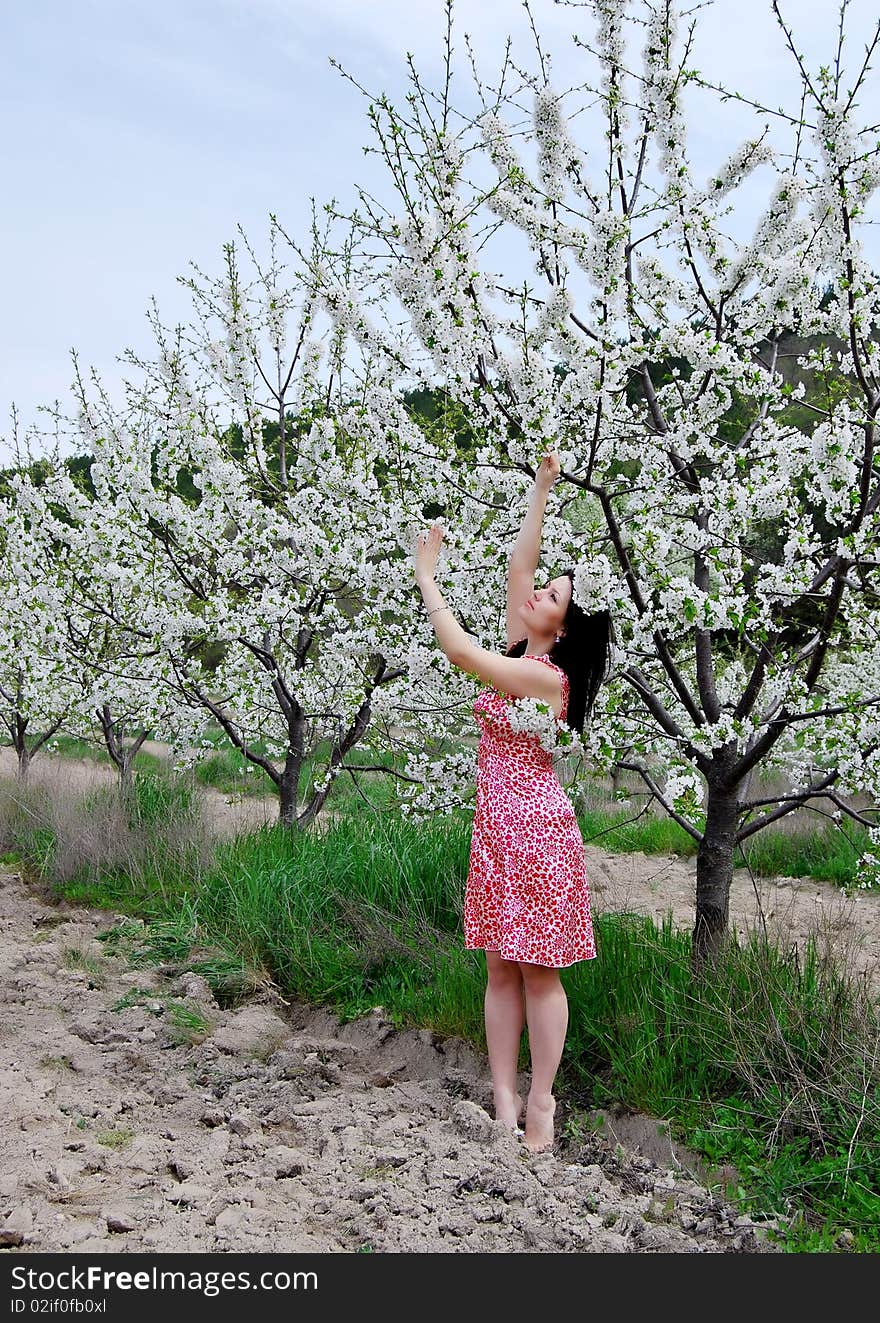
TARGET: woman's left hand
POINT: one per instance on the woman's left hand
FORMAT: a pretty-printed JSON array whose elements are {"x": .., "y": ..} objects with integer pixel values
[{"x": 427, "y": 550}]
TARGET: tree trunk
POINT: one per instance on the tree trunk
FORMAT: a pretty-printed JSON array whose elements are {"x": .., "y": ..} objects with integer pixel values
[
  {"x": 126, "y": 780},
  {"x": 287, "y": 788},
  {"x": 715, "y": 873},
  {"x": 19, "y": 741},
  {"x": 123, "y": 756}
]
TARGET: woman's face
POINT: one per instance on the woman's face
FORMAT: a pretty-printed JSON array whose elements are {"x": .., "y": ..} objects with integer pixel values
[{"x": 544, "y": 612}]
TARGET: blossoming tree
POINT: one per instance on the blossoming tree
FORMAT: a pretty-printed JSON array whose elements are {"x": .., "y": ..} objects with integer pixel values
[
  {"x": 66, "y": 666},
  {"x": 612, "y": 304},
  {"x": 247, "y": 530},
  {"x": 38, "y": 691}
]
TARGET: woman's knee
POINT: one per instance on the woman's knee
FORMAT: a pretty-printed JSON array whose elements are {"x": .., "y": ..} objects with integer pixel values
[
  {"x": 500, "y": 970},
  {"x": 539, "y": 978}
]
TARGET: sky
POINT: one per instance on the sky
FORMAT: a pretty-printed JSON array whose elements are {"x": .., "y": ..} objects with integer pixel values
[{"x": 138, "y": 134}]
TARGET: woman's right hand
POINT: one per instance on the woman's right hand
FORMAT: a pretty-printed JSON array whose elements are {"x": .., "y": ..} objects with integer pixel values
[{"x": 548, "y": 470}]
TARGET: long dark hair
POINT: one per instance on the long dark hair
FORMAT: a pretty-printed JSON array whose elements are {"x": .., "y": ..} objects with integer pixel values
[{"x": 583, "y": 652}]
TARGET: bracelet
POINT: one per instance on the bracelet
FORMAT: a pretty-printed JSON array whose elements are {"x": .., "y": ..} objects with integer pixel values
[{"x": 437, "y": 608}]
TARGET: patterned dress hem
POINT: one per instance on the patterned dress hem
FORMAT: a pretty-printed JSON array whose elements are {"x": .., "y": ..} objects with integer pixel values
[{"x": 522, "y": 960}]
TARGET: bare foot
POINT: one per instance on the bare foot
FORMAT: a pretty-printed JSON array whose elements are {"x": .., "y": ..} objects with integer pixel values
[
  {"x": 539, "y": 1123},
  {"x": 509, "y": 1110}
]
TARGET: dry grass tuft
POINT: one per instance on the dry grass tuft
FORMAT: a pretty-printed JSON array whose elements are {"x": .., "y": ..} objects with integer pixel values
[{"x": 69, "y": 833}]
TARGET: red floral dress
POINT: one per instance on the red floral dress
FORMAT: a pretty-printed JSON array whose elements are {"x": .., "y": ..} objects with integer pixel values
[{"x": 527, "y": 895}]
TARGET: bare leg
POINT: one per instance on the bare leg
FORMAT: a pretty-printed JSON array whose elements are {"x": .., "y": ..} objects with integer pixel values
[
  {"x": 504, "y": 1026},
  {"x": 547, "y": 1016}
]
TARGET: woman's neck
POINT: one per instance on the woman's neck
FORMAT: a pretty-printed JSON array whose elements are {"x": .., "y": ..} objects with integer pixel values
[{"x": 539, "y": 648}]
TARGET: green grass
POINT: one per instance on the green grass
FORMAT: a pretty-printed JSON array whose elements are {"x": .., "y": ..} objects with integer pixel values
[
  {"x": 62, "y": 1063},
  {"x": 159, "y": 798},
  {"x": 353, "y": 916},
  {"x": 379, "y": 789},
  {"x": 173, "y": 936},
  {"x": 768, "y": 1065},
  {"x": 214, "y": 737},
  {"x": 621, "y": 832},
  {"x": 229, "y": 772},
  {"x": 829, "y": 855},
  {"x": 187, "y": 1023},
  {"x": 74, "y": 958},
  {"x": 117, "y": 1137},
  {"x": 73, "y": 746},
  {"x": 185, "y": 1020}
]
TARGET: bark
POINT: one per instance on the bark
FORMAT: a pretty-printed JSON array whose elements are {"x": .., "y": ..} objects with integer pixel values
[
  {"x": 287, "y": 788},
  {"x": 20, "y": 744},
  {"x": 715, "y": 872}
]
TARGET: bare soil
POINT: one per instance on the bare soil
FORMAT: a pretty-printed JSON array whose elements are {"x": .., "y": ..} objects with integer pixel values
[
  {"x": 274, "y": 1127},
  {"x": 170, "y": 1124}
]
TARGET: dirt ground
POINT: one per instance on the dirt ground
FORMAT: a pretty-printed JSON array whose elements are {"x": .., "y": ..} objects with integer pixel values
[
  {"x": 284, "y": 1130},
  {"x": 140, "y": 1116}
]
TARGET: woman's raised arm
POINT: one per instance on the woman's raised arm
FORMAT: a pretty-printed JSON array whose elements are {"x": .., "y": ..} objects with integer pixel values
[{"x": 527, "y": 548}]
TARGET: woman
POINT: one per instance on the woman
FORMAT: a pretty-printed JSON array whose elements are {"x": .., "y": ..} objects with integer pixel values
[{"x": 527, "y": 902}]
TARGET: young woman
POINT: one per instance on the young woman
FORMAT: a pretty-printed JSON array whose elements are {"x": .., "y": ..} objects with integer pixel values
[{"x": 527, "y": 902}]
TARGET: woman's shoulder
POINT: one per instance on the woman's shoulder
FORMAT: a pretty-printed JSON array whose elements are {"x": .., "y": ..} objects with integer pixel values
[
  {"x": 545, "y": 658},
  {"x": 564, "y": 687}
]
